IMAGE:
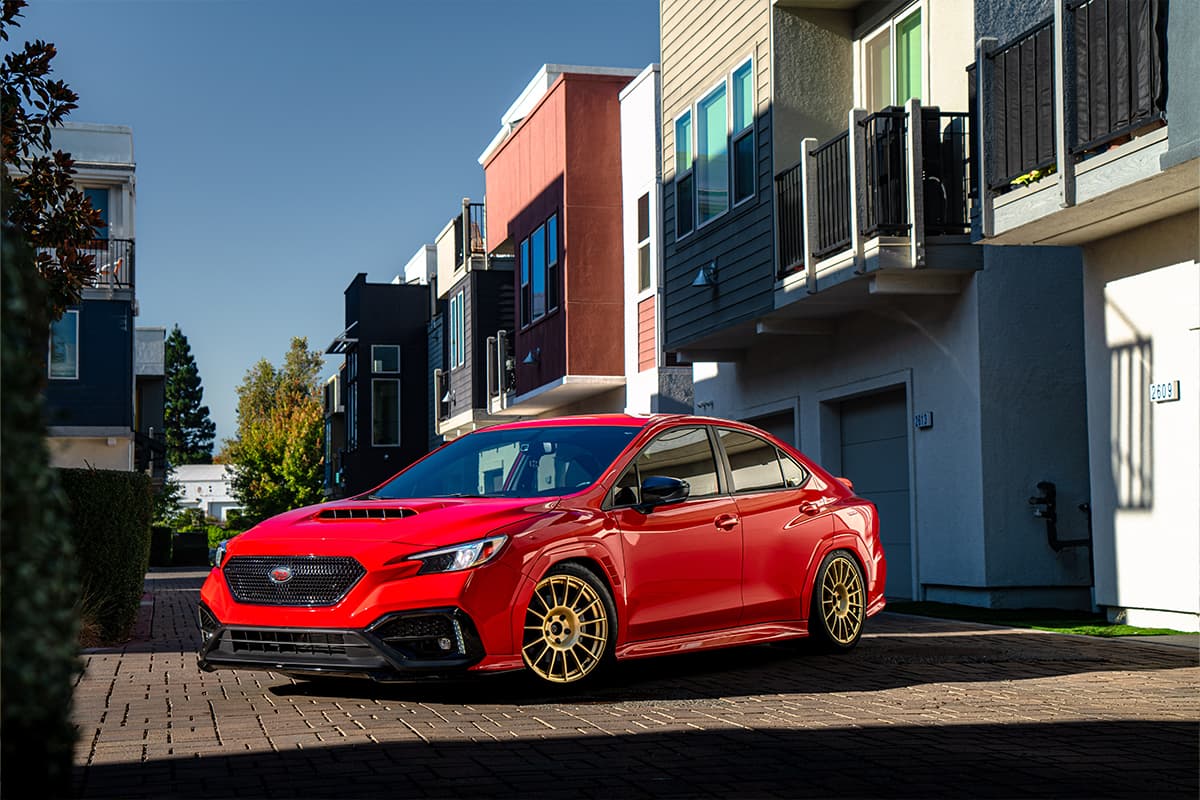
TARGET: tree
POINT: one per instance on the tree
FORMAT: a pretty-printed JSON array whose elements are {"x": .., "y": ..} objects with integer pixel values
[
  {"x": 276, "y": 455},
  {"x": 190, "y": 432},
  {"x": 40, "y": 200}
]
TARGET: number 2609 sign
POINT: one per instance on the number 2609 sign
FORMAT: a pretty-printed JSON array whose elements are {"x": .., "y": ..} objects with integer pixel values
[{"x": 1164, "y": 392}]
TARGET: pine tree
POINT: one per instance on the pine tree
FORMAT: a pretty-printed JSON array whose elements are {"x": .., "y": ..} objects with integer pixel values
[{"x": 190, "y": 432}]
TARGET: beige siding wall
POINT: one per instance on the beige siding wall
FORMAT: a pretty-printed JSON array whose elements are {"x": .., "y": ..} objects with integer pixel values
[{"x": 702, "y": 41}]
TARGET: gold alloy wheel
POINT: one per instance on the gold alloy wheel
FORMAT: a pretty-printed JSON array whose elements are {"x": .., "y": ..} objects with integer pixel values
[
  {"x": 842, "y": 600},
  {"x": 566, "y": 629}
]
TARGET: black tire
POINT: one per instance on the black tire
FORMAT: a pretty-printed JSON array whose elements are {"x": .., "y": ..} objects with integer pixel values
[
  {"x": 838, "y": 611},
  {"x": 570, "y": 627}
]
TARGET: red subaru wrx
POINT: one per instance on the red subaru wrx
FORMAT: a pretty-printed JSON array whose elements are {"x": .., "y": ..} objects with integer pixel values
[{"x": 554, "y": 545}]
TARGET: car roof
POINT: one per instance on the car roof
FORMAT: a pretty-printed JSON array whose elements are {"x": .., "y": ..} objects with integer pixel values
[{"x": 618, "y": 420}]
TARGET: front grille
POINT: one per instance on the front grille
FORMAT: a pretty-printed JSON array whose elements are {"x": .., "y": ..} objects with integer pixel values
[
  {"x": 287, "y": 642},
  {"x": 315, "y": 581}
]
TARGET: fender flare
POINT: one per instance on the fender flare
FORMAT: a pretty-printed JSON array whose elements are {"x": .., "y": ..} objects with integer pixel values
[{"x": 842, "y": 540}]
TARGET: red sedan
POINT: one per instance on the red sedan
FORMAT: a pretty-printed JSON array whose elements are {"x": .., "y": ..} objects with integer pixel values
[{"x": 555, "y": 545}]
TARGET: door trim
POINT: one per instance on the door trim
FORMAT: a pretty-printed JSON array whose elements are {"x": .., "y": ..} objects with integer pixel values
[{"x": 829, "y": 449}]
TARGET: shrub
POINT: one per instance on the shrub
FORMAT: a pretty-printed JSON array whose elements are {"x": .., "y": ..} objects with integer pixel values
[
  {"x": 38, "y": 586},
  {"x": 110, "y": 522},
  {"x": 217, "y": 534}
]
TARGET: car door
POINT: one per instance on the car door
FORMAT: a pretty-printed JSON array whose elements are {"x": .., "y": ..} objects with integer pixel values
[
  {"x": 784, "y": 516},
  {"x": 683, "y": 561}
]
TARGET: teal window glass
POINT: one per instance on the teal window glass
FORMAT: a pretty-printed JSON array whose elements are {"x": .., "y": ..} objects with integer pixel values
[{"x": 712, "y": 159}]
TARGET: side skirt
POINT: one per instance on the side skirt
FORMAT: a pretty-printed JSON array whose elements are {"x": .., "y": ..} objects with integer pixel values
[{"x": 711, "y": 640}]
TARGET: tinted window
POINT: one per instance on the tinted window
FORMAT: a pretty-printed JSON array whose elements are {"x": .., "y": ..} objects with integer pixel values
[
  {"x": 753, "y": 462},
  {"x": 683, "y": 453},
  {"x": 794, "y": 475}
]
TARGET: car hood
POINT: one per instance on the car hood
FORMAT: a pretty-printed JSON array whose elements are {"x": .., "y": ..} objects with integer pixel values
[{"x": 425, "y": 523}]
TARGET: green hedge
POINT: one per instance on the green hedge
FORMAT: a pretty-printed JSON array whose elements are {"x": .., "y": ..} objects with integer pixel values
[
  {"x": 110, "y": 522},
  {"x": 38, "y": 588}
]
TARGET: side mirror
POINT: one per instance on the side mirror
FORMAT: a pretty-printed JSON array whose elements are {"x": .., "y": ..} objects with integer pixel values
[{"x": 659, "y": 490}]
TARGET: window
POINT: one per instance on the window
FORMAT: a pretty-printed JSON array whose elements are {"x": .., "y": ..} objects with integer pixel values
[
  {"x": 719, "y": 173},
  {"x": 385, "y": 412},
  {"x": 892, "y": 62},
  {"x": 385, "y": 358},
  {"x": 352, "y": 364},
  {"x": 712, "y": 158},
  {"x": 684, "y": 212},
  {"x": 743, "y": 133},
  {"x": 539, "y": 272},
  {"x": 794, "y": 475},
  {"x": 352, "y": 416},
  {"x": 99, "y": 201},
  {"x": 64, "y": 347},
  {"x": 526, "y": 292},
  {"x": 753, "y": 462},
  {"x": 458, "y": 329},
  {"x": 683, "y": 453},
  {"x": 643, "y": 233}
]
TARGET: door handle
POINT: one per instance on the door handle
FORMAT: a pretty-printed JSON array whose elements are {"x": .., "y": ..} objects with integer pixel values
[
  {"x": 726, "y": 522},
  {"x": 809, "y": 508}
]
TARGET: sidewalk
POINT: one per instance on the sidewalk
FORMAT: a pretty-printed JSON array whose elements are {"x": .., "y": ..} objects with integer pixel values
[{"x": 921, "y": 708}]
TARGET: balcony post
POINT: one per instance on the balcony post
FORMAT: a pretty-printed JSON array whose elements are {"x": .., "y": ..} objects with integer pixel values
[
  {"x": 857, "y": 150},
  {"x": 916, "y": 183},
  {"x": 437, "y": 399},
  {"x": 493, "y": 375},
  {"x": 983, "y": 97},
  {"x": 808, "y": 215},
  {"x": 502, "y": 367},
  {"x": 1064, "y": 161}
]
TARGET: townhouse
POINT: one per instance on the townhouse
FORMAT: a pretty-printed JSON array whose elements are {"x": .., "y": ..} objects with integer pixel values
[
  {"x": 1089, "y": 141},
  {"x": 104, "y": 389}
]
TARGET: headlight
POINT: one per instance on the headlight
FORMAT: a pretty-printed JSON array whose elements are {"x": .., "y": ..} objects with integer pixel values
[
  {"x": 219, "y": 558},
  {"x": 460, "y": 556}
]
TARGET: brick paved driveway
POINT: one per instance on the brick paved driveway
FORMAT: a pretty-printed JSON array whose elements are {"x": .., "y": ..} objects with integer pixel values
[{"x": 922, "y": 708}]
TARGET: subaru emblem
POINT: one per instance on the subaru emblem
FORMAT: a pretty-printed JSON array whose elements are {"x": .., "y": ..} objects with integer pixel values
[{"x": 280, "y": 574}]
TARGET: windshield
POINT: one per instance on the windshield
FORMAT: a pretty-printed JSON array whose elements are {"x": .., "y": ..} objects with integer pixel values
[{"x": 514, "y": 462}]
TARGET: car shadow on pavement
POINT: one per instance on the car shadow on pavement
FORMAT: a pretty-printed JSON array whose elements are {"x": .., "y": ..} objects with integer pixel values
[{"x": 1070, "y": 759}]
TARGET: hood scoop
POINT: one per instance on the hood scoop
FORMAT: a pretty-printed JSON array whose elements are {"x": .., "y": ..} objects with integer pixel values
[{"x": 366, "y": 513}]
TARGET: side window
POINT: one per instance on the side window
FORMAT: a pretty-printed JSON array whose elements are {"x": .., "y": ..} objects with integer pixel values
[
  {"x": 753, "y": 462},
  {"x": 794, "y": 475},
  {"x": 683, "y": 453}
]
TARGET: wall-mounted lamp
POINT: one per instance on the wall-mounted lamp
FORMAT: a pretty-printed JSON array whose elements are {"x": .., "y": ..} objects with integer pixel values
[
  {"x": 533, "y": 356},
  {"x": 707, "y": 275}
]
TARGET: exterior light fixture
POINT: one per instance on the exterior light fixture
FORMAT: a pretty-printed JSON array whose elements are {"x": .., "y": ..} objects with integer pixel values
[{"x": 707, "y": 275}]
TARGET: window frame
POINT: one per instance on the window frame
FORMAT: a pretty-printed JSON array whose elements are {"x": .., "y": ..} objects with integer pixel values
[
  {"x": 50, "y": 349},
  {"x": 551, "y": 270},
  {"x": 738, "y": 135},
  {"x": 719, "y": 468},
  {"x": 458, "y": 329},
  {"x": 889, "y": 26},
  {"x": 643, "y": 244},
  {"x": 780, "y": 453},
  {"x": 395, "y": 371},
  {"x": 690, "y": 172},
  {"x": 723, "y": 85},
  {"x": 399, "y": 406}
]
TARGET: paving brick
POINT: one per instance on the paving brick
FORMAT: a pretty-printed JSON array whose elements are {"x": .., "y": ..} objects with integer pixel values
[{"x": 920, "y": 708}]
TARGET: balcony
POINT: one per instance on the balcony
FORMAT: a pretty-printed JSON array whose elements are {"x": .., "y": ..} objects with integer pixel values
[
  {"x": 881, "y": 207},
  {"x": 113, "y": 261},
  {"x": 1074, "y": 115}
]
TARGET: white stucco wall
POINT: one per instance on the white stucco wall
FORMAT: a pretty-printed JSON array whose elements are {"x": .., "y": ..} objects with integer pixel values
[
  {"x": 420, "y": 268},
  {"x": 86, "y": 452},
  {"x": 207, "y": 487},
  {"x": 1144, "y": 286},
  {"x": 640, "y": 157}
]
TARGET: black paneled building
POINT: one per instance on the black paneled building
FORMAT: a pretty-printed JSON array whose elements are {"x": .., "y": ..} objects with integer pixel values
[{"x": 382, "y": 390}]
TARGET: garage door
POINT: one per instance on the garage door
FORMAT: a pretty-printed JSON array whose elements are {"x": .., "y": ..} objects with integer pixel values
[{"x": 875, "y": 458}]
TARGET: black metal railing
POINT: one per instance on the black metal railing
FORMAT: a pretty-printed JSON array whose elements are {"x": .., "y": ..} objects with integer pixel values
[
  {"x": 441, "y": 395},
  {"x": 885, "y": 174},
  {"x": 1120, "y": 81},
  {"x": 789, "y": 201},
  {"x": 473, "y": 222},
  {"x": 831, "y": 162},
  {"x": 1021, "y": 119},
  {"x": 112, "y": 259},
  {"x": 946, "y": 171},
  {"x": 501, "y": 365}
]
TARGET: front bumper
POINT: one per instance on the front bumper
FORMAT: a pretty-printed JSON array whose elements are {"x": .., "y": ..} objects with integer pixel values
[{"x": 398, "y": 646}]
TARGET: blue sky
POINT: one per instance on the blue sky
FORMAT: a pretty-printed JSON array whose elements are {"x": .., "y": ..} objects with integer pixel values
[{"x": 283, "y": 146}]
